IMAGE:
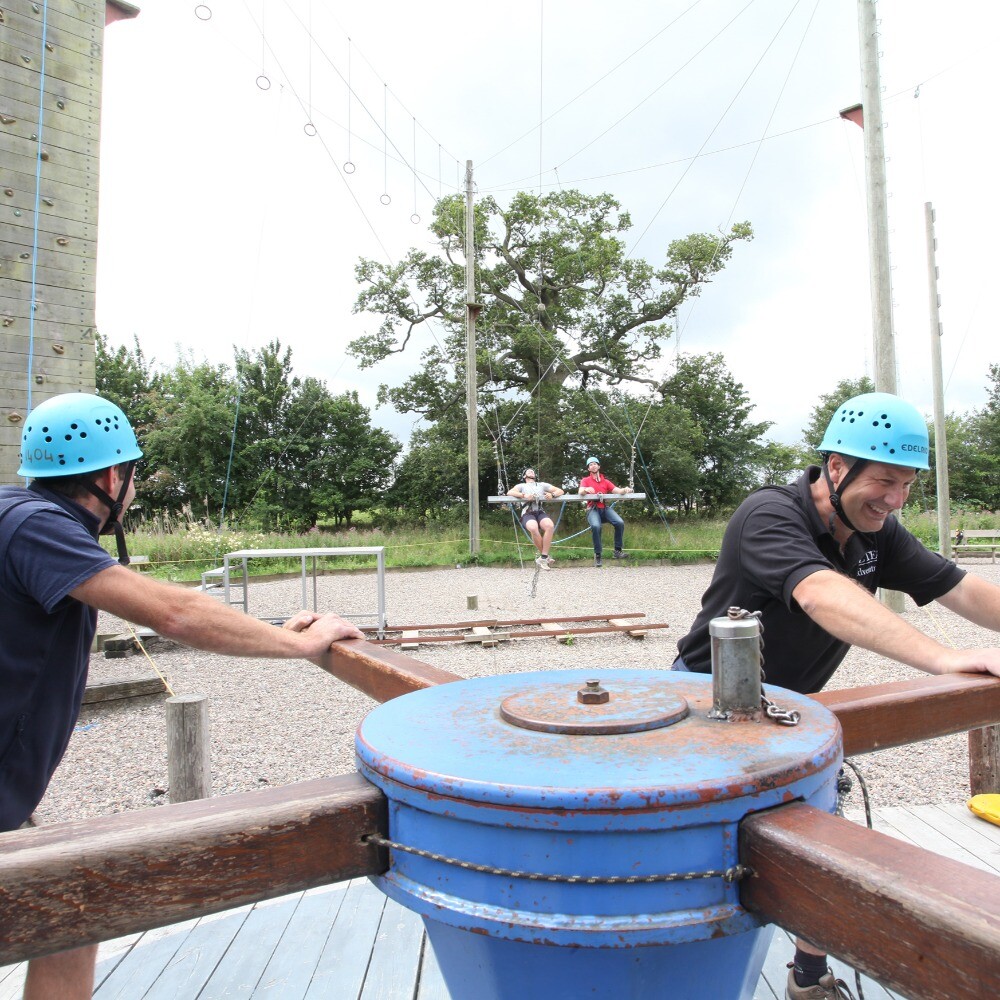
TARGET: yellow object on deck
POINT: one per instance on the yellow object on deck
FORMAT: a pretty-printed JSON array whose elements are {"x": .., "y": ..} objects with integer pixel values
[{"x": 986, "y": 807}]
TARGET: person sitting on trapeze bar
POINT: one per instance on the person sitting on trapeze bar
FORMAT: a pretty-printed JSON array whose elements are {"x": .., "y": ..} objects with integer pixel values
[
  {"x": 534, "y": 518},
  {"x": 598, "y": 512}
]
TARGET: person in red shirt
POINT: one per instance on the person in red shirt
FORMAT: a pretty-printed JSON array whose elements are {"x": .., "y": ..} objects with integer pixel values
[{"x": 598, "y": 512}]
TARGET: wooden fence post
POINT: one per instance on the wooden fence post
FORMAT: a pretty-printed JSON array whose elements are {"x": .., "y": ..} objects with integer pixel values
[
  {"x": 189, "y": 768},
  {"x": 984, "y": 760}
]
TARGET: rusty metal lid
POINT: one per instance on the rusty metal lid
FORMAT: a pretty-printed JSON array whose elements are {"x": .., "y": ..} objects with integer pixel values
[
  {"x": 594, "y": 710},
  {"x": 523, "y": 741}
]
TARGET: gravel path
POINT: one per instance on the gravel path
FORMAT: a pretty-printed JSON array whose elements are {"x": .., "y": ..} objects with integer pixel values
[{"x": 275, "y": 722}]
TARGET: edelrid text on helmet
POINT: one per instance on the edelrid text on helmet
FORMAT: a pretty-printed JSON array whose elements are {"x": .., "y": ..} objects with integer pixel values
[
  {"x": 879, "y": 427},
  {"x": 75, "y": 433}
]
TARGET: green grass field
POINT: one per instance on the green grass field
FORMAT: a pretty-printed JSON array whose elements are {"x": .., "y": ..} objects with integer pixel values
[{"x": 187, "y": 550}]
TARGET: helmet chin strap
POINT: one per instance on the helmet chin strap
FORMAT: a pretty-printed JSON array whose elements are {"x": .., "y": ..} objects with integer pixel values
[
  {"x": 836, "y": 491},
  {"x": 113, "y": 525}
]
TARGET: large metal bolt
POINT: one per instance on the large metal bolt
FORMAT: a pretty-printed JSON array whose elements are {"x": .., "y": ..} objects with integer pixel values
[{"x": 593, "y": 694}]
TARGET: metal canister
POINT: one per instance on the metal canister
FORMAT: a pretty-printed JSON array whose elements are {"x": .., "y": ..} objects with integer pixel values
[{"x": 540, "y": 830}]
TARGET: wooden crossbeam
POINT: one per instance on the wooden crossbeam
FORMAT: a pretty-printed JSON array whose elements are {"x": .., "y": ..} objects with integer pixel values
[
  {"x": 382, "y": 674},
  {"x": 71, "y": 884},
  {"x": 893, "y": 715},
  {"x": 923, "y": 925},
  {"x": 482, "y": 635}
]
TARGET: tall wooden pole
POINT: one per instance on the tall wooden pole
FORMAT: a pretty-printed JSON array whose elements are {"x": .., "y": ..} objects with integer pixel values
[
  {"x": 940, "y": 432},
  {"x": 472, "y": 310},
  {"x": 878, "y": 221},
  {"x": 878, "y": 214}
]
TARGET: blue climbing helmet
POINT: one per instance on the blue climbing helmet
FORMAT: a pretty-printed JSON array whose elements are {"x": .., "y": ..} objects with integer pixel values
[
  {"x": 592, "y": 460},
  {"x": 873, "y": 427},
  {"x": 879, "y": 427},
  {"x": 74, "y": 433}
]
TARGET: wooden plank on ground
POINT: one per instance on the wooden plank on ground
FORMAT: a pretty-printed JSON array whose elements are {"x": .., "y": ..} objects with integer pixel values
[
  {"x": 557, "y": 633},
  {"x": 636, "y": 633},
  {"x": 410, "y": 633},
  {"x": 137, "y": 972},
  {"x": 240, "y": 969},
  {"x": 344, "y": 962},
  {"x": 483, "y": 635},
  {"x": 432, "y": 985},
  {"x": 135, "y": 687},
  {"x": 982, "y": 842},
  {"x": 394, "y": 967},
  {"x": 290, "y": 970},
  {"x": 200, "y": 952}
]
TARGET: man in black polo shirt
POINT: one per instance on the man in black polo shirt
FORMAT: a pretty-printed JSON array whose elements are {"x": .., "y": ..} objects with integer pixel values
[
  {"x": 80, "y": 452},
  {"x": 810, "y": 557}
]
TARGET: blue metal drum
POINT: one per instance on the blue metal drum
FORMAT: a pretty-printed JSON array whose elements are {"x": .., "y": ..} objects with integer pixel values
[{"x": 518, "y": 784}]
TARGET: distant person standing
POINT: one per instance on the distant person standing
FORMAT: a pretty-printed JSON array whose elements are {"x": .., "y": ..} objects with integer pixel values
[
  {"x": 598, "y": 512},
  {"x": 534, "y": 518}
]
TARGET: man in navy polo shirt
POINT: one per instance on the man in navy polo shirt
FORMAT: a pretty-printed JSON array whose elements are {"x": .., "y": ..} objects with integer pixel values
[
  {"x": 80, "y": 453},
  {"x": 810, "y": 556}
]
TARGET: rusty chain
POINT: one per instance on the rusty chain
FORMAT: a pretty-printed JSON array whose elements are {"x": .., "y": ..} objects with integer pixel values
[
  {"x": 733, "y": 874},
  {"x": 783, "y": 716}
]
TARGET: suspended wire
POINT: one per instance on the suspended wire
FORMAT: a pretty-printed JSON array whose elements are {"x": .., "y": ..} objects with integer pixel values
[
  {"x": 517, "y": 185},
  {"x": 722, "y": 117},
  {"x": 614, "y": 69},
  {"x": 753, "y": 161},
  {"x": 656, "y": 90},
  {"x": 389, "y": 141}
]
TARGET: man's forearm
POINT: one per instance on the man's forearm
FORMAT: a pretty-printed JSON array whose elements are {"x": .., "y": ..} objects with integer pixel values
[{"x": 850, "y": 613}]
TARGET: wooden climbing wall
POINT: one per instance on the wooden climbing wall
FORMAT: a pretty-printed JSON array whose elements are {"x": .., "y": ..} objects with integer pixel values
[{"x": 50, "y": 126}]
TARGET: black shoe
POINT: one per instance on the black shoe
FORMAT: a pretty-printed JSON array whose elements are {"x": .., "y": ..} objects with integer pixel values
[{"x": 620, "y": 555}]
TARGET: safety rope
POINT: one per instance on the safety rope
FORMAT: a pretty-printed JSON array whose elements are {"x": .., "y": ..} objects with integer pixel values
[{"x": 38, "y": 195}]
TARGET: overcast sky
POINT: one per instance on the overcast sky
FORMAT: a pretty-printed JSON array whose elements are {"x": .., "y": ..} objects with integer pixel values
[{"x": 222, "y": 221}]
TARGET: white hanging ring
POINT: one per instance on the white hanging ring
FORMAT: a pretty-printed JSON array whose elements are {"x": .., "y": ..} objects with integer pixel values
[
  {"x": 385, "y": 199},
  {"x": 415, "y": 219},
  {"x": 263, "y": 82},
  {"x": 203, "y": 12},
  {"x": 349, "y": 167},
  {"x": 309, "y": 128}
]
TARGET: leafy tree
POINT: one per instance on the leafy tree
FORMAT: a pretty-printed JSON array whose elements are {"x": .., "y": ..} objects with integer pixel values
[
  {"x": 188, "y": 441},
  {"x": 563, "y": 305},
  {"x": 730, "y": 441},
  {"x": 778, "y": 463},
  {"x": 127, "y": 378},
  {"x": 823, "y": 411}
]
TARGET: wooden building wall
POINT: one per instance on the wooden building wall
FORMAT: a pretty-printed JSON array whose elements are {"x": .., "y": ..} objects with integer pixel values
[{"x": 49, "y": 154}]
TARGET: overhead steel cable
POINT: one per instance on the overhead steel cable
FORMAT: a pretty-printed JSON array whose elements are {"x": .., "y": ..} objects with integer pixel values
[
  {"x": 722, "y": 117},
  {"x": 614, "y": 69}
]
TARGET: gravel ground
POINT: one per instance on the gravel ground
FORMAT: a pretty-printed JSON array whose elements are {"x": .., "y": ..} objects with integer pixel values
[{"x": 276, "y": 722}]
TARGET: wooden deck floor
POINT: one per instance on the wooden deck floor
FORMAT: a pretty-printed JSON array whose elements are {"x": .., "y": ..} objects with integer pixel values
[{"x": 348, "y": 942}]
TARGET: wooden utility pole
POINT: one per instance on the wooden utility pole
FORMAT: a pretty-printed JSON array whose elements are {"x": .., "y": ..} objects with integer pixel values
[
  {"x": 878, "y": 221},
  {"x": 878, "y": 214},
  {"x": 940, "y": 432},
  {"x": 472, "y": 311}
]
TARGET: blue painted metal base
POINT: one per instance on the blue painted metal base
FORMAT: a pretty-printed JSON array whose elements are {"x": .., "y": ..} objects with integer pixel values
[{"x": 479, "y": 968}]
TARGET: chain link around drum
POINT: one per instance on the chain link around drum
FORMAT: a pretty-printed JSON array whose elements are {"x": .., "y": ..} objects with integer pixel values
[{"x": 733, "y": 874}]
